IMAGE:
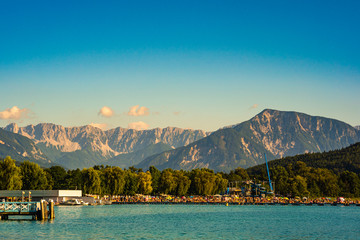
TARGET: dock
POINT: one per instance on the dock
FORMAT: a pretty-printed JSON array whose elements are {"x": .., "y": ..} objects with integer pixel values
[{"x": 42, "y": 210}]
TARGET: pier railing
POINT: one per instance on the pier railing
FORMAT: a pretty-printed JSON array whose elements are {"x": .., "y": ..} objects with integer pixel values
[{"x": 19, "y": 207}]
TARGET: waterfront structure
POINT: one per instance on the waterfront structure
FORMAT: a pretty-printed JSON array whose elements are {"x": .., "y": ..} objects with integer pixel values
[
  {"x": 38, "y": 210},
  {"x": 36, "y": 195}
]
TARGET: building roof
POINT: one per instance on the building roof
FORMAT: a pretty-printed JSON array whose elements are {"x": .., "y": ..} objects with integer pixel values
[{"x": 41, "y": 193}]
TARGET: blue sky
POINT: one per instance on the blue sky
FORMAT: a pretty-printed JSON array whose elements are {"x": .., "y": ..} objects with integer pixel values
[{"x": 190, "y": 64}]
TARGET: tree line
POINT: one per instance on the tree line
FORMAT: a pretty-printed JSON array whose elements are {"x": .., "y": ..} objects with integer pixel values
[
  {"x": 296, "y": 179},
  {"x": 110, "y": 180}
]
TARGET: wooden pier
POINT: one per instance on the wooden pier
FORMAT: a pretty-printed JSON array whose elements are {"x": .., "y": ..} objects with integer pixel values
[{"x": 38, "y": 210}]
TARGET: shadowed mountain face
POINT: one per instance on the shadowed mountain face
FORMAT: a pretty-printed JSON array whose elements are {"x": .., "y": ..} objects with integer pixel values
[
  {"x": 357, "y": 127},
  {"x": 276, "y": 133},
  {"x": 79, "y": 147},
  {"x": 21, "y": 148}
]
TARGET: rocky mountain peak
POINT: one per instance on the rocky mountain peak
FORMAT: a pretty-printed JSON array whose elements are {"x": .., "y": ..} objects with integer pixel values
[
  {"x": 12, "y": 127},
  {"x": 92, "y": 142},
  {"x": 276, "y": 133}
]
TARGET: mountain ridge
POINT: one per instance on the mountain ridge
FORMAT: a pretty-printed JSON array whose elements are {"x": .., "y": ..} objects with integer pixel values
[
  {"x": 88, "y": 145},
  {"x": 276, "y": 133},
  {"x": 21, "y": 148}
]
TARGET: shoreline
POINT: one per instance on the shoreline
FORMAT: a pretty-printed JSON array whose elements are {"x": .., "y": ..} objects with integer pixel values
[{"x": 235, "y": 203}]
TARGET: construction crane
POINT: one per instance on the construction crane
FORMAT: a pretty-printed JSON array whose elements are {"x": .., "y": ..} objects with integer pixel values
[{"x": 268, "y": 172}]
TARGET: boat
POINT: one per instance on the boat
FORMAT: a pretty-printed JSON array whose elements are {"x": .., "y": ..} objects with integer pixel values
[{"x": 72, "y": 202}]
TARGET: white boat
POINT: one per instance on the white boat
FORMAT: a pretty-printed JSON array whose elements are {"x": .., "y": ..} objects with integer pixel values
[{"x": 72, "y": 202}]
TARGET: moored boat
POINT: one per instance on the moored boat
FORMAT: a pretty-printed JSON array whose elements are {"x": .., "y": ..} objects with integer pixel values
[{"x": 72, "y": 202}]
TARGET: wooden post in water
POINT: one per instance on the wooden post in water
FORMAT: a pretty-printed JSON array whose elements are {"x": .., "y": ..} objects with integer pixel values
[
  {"x": 43, "y": 210},
  {"x": 52, "y": 213},
  {"x": 46, "y": 209}
]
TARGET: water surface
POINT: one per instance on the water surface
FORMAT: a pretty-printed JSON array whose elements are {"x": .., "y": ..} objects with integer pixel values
[{"x": 191, "y": 222}]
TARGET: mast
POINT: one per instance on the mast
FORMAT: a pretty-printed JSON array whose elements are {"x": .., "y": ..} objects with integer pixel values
[{"x": 268, "y": 172}]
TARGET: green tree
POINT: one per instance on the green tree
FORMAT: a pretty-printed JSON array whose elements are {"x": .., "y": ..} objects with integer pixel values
[
  {"x": 327, "y": 182},
  {"x": 182, "y": 183},
  {"x": 74, "y": 180},
  {"x": 145, "y": 183},
  {"x": 349, "y": 184},
  {"x": 298, "y": 186},
  {"x": 34, "y": 177},
  {"x": 220, "y": 184},
  {"x": 167, "y": 181},
  {"x": 10, "y": 175},
  {"x": 280, "y": 177},
  {"x": 131, "y": 182},
  {"x": 91, "y": 181},
  {"x": 58, "y": 175},
  {"x": 155, "y": 176},
  {"x": 203, "y": 182},
  {"x": 113, "y": 181}
]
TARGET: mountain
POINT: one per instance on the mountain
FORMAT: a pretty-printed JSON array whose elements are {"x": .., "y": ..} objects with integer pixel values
[
  {"x": 21, "y": 149},
  {"x": 133, "y": 158},
  {"x": 357, "y": 127},
  {"x": 276, "y": 133},
  {"x": 345, "y": 159},
  {"x": 86, "y": 146}
]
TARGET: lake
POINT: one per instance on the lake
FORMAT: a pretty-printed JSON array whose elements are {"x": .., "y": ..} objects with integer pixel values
[{"x": 191, "y": 222}]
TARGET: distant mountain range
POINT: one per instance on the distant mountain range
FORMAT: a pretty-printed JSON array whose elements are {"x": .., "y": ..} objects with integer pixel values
[
  {"x": 357, "y": 127},
  {"x": 276, "y": 133},
  {"x": 79, "y": 147}
]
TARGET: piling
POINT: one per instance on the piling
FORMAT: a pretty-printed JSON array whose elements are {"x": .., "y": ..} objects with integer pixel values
[
  {"x": 52, "y": 212},
  {"x": 43, "y": 210}
]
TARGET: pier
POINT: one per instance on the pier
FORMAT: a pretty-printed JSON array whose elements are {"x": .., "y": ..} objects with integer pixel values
[{"x": 38, "y": 210}]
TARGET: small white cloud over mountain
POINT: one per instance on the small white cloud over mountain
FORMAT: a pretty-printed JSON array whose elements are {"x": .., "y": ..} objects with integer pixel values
[
  {"x": 254, "y": 106},
  {"x": 102, "y": 126},
  {"x": 106, "y": 112},
  {"x": 138, "y": 125},
  {"x": 138, "y": 111},
  {"x": 14, "y": 113}
]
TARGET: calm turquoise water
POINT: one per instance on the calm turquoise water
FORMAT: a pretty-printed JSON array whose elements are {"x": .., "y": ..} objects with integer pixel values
[{"x": 191, "y": 222}]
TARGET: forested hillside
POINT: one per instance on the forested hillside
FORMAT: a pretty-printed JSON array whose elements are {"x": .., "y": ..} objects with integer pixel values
[
  {"x": 334, "y": 173},
  {"x": 337, "y": 161}
]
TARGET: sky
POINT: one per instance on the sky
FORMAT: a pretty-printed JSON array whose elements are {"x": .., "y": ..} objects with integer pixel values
[{"x": 189, "y": 64}]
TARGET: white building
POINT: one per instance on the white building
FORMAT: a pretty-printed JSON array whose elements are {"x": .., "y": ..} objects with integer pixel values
[{"x": 37, "y": 195}]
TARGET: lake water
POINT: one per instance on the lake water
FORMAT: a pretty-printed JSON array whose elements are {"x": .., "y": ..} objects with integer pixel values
[{"x": 191, "y": 222}]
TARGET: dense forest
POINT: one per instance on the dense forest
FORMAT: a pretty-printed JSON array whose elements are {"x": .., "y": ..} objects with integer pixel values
[
  {"x": 338, "y": 160},
  {"x": 334, "y": 173}
]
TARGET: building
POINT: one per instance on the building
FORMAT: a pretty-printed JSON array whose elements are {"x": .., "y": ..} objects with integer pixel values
[{"x": 37, "y": 195}]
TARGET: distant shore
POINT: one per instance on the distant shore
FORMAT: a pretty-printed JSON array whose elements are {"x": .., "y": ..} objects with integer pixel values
[{"x": 233, "y": 200}]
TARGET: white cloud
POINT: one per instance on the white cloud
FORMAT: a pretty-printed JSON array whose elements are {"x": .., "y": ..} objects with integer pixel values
[
  {"x": 138, "y": 111},
  {"x": 254, "y": 106},
  {"x": 14, "y": 113},
  {"x": 138, "y": 125},
  {"x": 106, "y": 112},
  {"x": 102, "y": 126}
]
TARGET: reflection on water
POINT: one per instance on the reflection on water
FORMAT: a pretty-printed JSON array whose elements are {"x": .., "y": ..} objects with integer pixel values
[{"x": 191, "y": 222}]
